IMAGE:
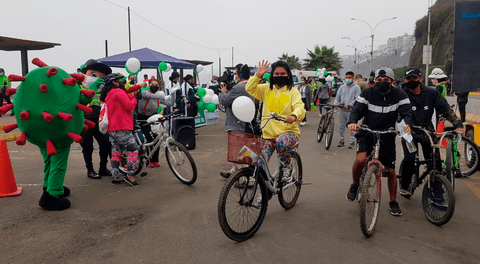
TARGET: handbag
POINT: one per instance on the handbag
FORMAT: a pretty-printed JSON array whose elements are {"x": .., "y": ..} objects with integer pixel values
[{"x": 103, "y": 119}]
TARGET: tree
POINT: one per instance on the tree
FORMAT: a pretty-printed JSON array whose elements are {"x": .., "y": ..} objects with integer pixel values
[
  {"x": 322, "y": 58},
  {"x": 292, "y": 61}
]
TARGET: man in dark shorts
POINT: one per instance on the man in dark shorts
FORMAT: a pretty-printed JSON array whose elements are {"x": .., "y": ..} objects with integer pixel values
[{"x": 380, "y": 106}]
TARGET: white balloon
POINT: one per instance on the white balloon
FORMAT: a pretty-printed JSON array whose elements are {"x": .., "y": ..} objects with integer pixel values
[
  {"x": 169, "y": 67},
  {"x": 329, "y": 78},
  {"x": 323, "y": 69},
  {"x": 210, "y": 92},
  {"x": 207, "y": 98},
  {"x": 133, "y": 65},
  {"x": 199, "y": 68},
  {"x": 243, "y": 108},
  {"x": 215, "y": 99}
]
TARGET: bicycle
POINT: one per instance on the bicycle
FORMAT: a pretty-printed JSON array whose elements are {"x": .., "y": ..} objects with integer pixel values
[
  {"x": 243, "y": 201},
  {"x": 371, "y": 185},
  {"x": 178, "y": 158},
  {"x": 438, "y": 198},
  {"x": 326, "y": 125}
]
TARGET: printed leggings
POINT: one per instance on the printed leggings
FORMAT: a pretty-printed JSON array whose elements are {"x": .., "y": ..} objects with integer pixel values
[
  {"x": 123, "y": 140},
  {"x": 284, "y": 143}
]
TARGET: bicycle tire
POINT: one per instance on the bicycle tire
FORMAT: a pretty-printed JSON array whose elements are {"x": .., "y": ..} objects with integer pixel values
[
  {"x": 288, "y": 199},
  {"x": 232, "y": 214},
  {"x": 321, "y": 129},
  {"x": 370, "y": 201},
  {"x": 221, "y": 108},
  {"x": 449, "y": 167},
  {"x": 468, "y": 157},
  {"x": 179, "y": 148},
  {"x": 438, "y": 199},
  {"x": 329, "y": 135}
]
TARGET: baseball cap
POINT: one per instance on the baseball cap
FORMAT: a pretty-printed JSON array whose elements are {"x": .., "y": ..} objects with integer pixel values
[
  {"x": 384, "y": 72},
  {"x": 413, "y": 72},
  {"x": 96, "y": 66}
]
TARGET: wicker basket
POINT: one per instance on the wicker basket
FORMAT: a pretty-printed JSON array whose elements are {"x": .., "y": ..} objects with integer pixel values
[{"x": 244, "y": 148}]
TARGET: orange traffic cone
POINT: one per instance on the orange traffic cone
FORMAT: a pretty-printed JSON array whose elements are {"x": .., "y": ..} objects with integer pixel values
[
  {"x": 8, "y": 186},
  {"x": 440, "y": 129}
]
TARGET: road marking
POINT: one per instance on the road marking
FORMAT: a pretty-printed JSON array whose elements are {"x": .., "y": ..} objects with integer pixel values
[{"x": 474, "y": 184}]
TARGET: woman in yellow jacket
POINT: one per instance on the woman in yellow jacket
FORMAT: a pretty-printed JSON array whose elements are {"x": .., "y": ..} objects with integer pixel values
[{"x": 281, "y": 97}]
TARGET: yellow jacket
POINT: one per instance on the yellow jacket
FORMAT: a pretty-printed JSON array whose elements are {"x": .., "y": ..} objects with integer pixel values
[{"x": 282, "y": 101}]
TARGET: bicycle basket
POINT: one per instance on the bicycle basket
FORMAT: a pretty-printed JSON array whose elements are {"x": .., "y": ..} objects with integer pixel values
[{"x": 244, "y": 148}]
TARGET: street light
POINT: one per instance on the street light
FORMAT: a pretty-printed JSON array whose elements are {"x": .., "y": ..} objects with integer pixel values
[
  {"x": 372, "y": 30},
  {"x": 354, "y": 47}
]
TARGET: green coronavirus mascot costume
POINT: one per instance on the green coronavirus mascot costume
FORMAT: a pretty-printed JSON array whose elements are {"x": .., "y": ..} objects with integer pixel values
[{"x": 50, "y": 115}]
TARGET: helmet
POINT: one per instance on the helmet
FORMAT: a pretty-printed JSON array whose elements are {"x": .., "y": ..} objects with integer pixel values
[
  {"x": 384, "y": 72},
  {"x": 437, "y": 73},
  {"x": 112, "y": 77}
]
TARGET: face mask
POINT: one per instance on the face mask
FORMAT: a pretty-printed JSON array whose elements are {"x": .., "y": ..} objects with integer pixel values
[
  {"x": 348, "y": 81},
  {"x": 383, "y": 87},
  {"x": 280, "y": 81},
  {"x": 89, "y": 80},
  {"x": 1, "y": 73},
  {"x": 154, "y": 89},
  {"x": 412, "y": 85},
  {"x": 121, "y": 85}
]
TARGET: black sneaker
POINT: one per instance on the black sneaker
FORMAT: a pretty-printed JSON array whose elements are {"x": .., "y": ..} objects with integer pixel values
[
  {"x": 394, "y": 208},
  {"x": 132, "y": 183},
  {"x": 117, "y": 182},
  {"x": 93, "y": 175},
  {"x": 352, "y": 145},
  {"x": 352, "y": 192},
  {"x": 405, "y": 193},
  {"x": 341, "y": 144}
]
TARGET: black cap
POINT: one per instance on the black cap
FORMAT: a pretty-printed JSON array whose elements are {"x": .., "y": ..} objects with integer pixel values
[
  {"x": 96, "y": 66},
  {"x": 413, "y": 72}
]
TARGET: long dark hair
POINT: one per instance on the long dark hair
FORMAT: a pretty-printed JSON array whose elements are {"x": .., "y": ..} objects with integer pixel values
[
  {"x": 103, "y": 93},
  {"x": 282, "y": 64}
]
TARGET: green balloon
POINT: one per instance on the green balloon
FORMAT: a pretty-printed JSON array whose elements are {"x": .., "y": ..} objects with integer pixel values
[
  {"x": 162, "y": 66},
  {"x": 267, "y": 76},
  {"x": 201, "y": 92},
  {"x": 211, "y": 107},
  {"x": 201, "y": 105},
  {"x": 325, "y": 73}
]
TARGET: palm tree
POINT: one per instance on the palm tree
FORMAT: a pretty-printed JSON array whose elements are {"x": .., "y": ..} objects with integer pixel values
[
  {"x": 323, "y": 57},
  {"x": 292, "y": 61}
]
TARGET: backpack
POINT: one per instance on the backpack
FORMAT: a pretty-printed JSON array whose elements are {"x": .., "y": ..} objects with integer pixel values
[{"x": 103, "y": 119}]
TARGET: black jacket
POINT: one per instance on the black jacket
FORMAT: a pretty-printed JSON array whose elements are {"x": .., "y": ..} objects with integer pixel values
[
  {"x": 423, "y": 105},
  {"x": 381, "y": 112}
]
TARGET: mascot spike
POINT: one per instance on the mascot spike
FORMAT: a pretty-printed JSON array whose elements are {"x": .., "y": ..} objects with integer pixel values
[
  {"x": 39, "y": 63},
  {"x": 16, "y": 78},
  {"x": 89, "y": 123},
  {"x": 78, "y": 77},
  {"x": 70, "y": 81},
  {"x": 65, "y": 116},
  {"x": 24, "y": 115},
  {"x": 85, "y": 128},
  {"x": 10, "y": 91},
  {"x": 75, "y": 137},
  {"x": 52, "y": 71},
  {"x": 47, "y": 117},
  {"x": 22, "y": 139},
  {"x": 87, "y": 110},
  {"x": 5, "y": 108},
  {"x": 43, "y": 88},
  {"x": 8, "y": 128},
  {"x": 50, "y": 149},
  {"x": 88, "y": 93}
]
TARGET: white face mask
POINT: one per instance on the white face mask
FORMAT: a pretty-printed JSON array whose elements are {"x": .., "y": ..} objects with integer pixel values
[{"x": 89, "y": 80}]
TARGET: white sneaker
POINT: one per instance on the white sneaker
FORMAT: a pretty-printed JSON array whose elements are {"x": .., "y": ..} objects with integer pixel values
[
  {"x": 287, "y": 174},
  {"x": 302, "y": 123}
]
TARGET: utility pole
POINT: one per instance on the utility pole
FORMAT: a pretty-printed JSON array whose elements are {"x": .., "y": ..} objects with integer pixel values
[
  {"x": 232, "y": 57},
  {"x": 129, "y": 33},
  {"x": 428, "y": 45}
]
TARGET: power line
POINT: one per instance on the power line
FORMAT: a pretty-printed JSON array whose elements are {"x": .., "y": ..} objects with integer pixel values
[
  {"x": 236, "y": 49},
  {"x": 153, "y": 24}
]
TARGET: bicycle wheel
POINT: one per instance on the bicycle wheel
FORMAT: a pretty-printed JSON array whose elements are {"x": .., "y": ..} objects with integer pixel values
[
  {"x": 221, "y": 108},
  {"x": 468, "y": 156},
  {"x": 241, "y": 211},
  {"x": 181, "y": 163},
  {"x": 321, "y": 128},
  {"x": 290, "y": 185},
  {"x": 370, "y": 194},
  {"x": 449, "y": 167},
  {"x": 438, "y": 199},
  {"x": 329, "y": 133},
  {"x": 123, "y": 168}
]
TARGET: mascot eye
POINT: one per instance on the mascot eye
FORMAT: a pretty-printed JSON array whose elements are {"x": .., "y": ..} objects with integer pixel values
[{"x": 94, "y": 74}]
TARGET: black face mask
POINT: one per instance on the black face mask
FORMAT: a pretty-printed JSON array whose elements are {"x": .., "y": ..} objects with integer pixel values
[
  {"x": 383, "y": 87},
  {"x": 175, "y": 82},
  {"x": 412, "y": 85},
  {"x": 154, "y": 88},
  {"x": 280, "y": 80}
]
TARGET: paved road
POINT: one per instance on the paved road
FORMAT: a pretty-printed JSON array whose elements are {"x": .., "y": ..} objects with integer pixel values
[{"x": 164, "y": 221}]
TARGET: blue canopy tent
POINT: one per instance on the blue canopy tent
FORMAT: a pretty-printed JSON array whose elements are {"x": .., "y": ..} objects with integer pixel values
[{"x": 149, "y": 59}]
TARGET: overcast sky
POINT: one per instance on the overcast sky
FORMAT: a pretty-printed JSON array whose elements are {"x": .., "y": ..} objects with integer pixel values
[{"x": 257, "y": 29}]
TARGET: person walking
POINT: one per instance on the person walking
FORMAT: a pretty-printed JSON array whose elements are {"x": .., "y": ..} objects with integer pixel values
[
  {"x": 462, "y": 100},
  {"x": 322, "y": 96},
  {"x": 186, "y": 100},
  {"x": 346, "y": 95},
  {"x": 4, "y": 85},
  {"x": 306, "y": 93}
]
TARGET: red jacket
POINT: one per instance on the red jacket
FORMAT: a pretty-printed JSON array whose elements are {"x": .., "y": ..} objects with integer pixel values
[{"x": 120, "y": 107}]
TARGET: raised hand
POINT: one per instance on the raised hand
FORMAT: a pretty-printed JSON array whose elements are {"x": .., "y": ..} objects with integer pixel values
[{"x": 263, "y": 67}]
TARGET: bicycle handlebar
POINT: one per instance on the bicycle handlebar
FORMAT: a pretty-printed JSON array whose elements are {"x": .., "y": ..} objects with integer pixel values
[
  {"x": 387, "y": 131},
  {"x": 273, "y": 115}
]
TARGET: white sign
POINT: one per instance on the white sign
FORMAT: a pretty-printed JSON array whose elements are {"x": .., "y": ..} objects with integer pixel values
[{"x": 427, "y": 54}]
